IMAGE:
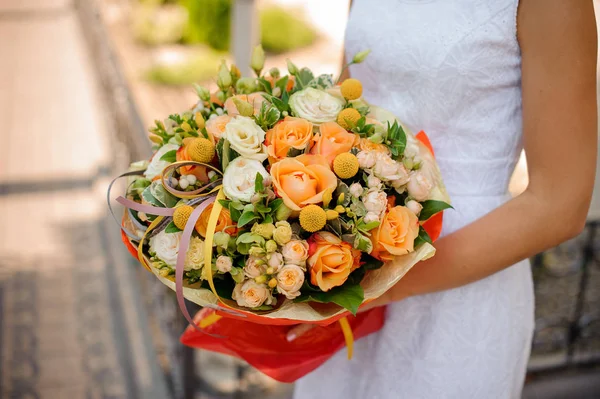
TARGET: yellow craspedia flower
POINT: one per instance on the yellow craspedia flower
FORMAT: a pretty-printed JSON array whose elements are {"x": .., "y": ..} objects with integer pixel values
[
  {"x": 313, "y": 218},
  {"x": 201, "y": 150},
  {"x": 351, "y": 89},
  {"x": 347, "y": 118},
  {"x": 181, "y": 216},
  {"x": 345, "y": 165}
]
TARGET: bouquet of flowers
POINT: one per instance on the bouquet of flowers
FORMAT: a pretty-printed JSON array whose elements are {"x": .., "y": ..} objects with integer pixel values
[{"x": 279, "y": 200}]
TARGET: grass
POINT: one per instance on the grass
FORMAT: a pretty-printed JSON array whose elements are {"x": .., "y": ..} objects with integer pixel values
[
  {"x": 192, "y": 69},
  {"x": 281, "y": 31}
]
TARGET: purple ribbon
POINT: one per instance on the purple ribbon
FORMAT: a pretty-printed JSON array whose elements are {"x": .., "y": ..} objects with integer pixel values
[{"x": 152, "y": 210}]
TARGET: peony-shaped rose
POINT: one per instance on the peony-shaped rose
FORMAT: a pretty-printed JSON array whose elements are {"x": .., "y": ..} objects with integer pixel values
[
  {"x": 224, "y": 264},
  {"x": 295, "y": 252},
  {"x": 375, "y": 201},
  {"x": 373, "y": 182},
  {"x": 246, "y": 138},
  {"x": 356, "y": 189},
  {"x": 255, "y": 267},
  {"x": 302, "y": 180},
  {"x": 194, "y": 258},
  {"x": 215, "y": 127},
  {"x": 239, "y": 177},
  {"x": 275, "y": 261},
  {"x": 289, "y": 281},
  {"x": 291, "y": 133},
  {"x": 224, "y": 222},
  {"x": 366, "y": 159},
  {"x": 331, "y": 260},
  {"x": 255, "y": 99},
  {"x": 316, "y": 106},
  {"x": 250, "y": 294},
  {"x": 332, "y": 140},
  {"x": 166, "y": 247},
  {"x": 156, "y": 166},
  {"x": 365, "y": 144},
  {"x": 396, "y": 234},
  {"x": 419, "y": 186},
  {"x": 387, "y": 169}
]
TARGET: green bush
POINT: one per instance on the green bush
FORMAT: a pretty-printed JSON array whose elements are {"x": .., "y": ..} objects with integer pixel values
[
  {"x": 209, "y": 22},
  {"x": 282, "y": 31},
  {"x": 196, "y": 68}
]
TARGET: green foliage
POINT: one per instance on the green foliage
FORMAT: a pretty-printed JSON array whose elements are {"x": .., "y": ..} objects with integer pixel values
[
  {"x": 170, "y": 156},
  {"x": 423, "y": 237},
  {"x": 431, "y": 207},
  {"x": 171, "y": 228},
  {"x": 349, "y": 296},
  {"x": 208, "y": 22},
  {"x": 195, "y": 68},
  {"x": 154, "y": 23},
  {"x": 281, "y": 31},
  {"x": 396, "y": 139}
]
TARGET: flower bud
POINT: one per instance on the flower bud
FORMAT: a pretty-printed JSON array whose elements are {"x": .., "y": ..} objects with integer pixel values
[
  {"x": 340, "y": 209},
  {"x": 257, "y": 61},
  {"x": 261, "y": 279},
  {"x": 331, "y": 214},
  {"x": 327, "y": 197},
  {"x": 356, "y": 190},
  {"x": 246, "y": 85},
  {"x": 274, "y": 72},
  {"x": 283, "y": 212},
  {"x": 270, "y": 270},
  {"x": 341, "y": 198},
  {"x": 273, "y": 283},
  {"x": 221, "y": 96},
  {"x": 243, "y": 107},
  {"x": 414, "y": 207},
  {"x": 224, "y": 77},
  {"x": 292, "y": 69},
  {"x": 271, "y": 246},
  {"x": 264, "y": 230},
  {"x": 199, "y": 119},
  {"x": 360, "y": 56},
  {"x": 256, "y": 251},
  {"x": 235, "y": 73},
  {"x": 221, "y": 239},
  {"x": 277, "y": 92},
  {"x": 202, "y": 92},
  {"x": 283, "y": 233},
  {"x": 275, "y": 262}
]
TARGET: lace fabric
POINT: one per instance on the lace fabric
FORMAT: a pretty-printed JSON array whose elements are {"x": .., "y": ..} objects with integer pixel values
[{"x": 452, "y": 69}]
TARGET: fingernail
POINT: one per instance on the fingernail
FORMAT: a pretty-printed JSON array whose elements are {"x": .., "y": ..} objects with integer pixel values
[{"x": 291, "y": 337}]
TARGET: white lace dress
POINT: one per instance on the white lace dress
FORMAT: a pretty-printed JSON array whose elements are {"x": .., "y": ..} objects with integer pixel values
[{"x": 452, "y": 69}]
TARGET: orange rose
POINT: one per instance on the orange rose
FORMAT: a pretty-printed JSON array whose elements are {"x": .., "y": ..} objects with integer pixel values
[
  {"x": 368, "y": 145},
  {"x": 182, "y": 155},
  {"x": 216, "y": 126},
  {"x": 256, "y": 99},
  {"x": 301, "y": 181},
  {"x": 289, "y": 133},
  {"x": 332, "y": 140},
  {"x": 224, "y": 223},
  {"x": 331, "y": 260},
  {"x": 396, "y": 234}
]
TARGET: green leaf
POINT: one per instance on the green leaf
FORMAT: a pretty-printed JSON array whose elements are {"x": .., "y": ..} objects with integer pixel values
[
  {"x": 224, "y": 203},
  {"x": 170, "y": 156},
  {"x": 431, "y": 207},
  {"x": 223, "y": 286},
  {"x": 171, "y": 228},
  {"x": 363, "y": 243},
  {"x": 258, "y": 183},
  {"x": 237, "y": 273},
  {"x": 275, "y": 204},
  {"x": 369, "y": 262},
  {"x": 268, "y": 219},
  {"x": 234, "y": 213},
  {"x": 246, "y": 218},
  {"x": 304, "y": 77},
  {"x": 237, "y": 205},
  {"x": 162, "y": 195},
  {"x": 282, "y": 83},
  {"x": 248, "y": 238},
  {"x": 368, "y": 226},
  {"x": 264, "y": 84},
  {"x": 262, "y": 209},
  {"x": 148, "y": 197},
  {"x": 294, "y": 152},
  {"x": 348, "y": 296},
  {"x": 423, "y": 237},
  {"x": 263, "y": 308}
]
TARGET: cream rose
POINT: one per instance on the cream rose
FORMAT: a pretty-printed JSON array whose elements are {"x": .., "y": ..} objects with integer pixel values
[
  {"x": 414, "y": 207},
  {"x": 419, "y": 187},
  {"x": 295, "y": 252},
  {"x": 255, "y": 267},
  {"x": 166, "y": 247},
  {"x": 156, "y": 166},
  {"x": 246, "y": 137},
  {"x": 371, "y": 217},
  {"x": 373, "y": 182},
  {"x": 275, "y": 261},
  {"x": 316, "y": 106},
  {"x": 375, "y": 202},
  {"x": 356, "y": 190},
  {"x": 387, "y": 169},
  {"x": 289, "y": 281},
  {"x": 239, "y": 177},
  {"x": 366, "y": 159},
  {"x": 194, "y": 258},
  {"x": 250, "y": 294},
  {"x": 224, "y": 264}
]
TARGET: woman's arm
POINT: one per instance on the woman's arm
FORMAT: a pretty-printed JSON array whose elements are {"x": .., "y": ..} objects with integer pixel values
[{"x": 558, "y": 44}]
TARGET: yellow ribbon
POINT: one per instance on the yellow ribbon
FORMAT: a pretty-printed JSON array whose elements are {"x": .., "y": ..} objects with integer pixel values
[
  {"x": 209, "y": 320},
  {"x": 140, "y": 248},
  {"x": 208, "y": 242},
  {"x": 348, "y": 335}
]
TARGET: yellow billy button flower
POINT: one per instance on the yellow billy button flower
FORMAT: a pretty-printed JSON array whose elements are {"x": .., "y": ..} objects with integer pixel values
[
  {"x": 345, "y": 165},
  {"x": 351, "y": 89},
  {"x": 181, "y": 216},
  {"x": 347, "y": 118},
  {"x": 313, "y": 218},
  {"x": 201, "y": 150}
]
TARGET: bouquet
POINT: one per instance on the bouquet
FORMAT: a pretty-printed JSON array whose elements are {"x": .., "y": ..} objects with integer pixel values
[{"x": 278, "y": 200}]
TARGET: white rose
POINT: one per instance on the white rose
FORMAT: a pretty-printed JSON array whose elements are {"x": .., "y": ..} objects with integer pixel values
[
  {"x": 246, "y": 137},
  {"x": 289, "y": 281},
  {"x": 373, "y": 182},
  {"x": 375, "y": 201},
  {"x": 366, "y": 159},
  {"x": 295, "y": 252},
  {"x": 239, "y": 177},
  {"x": 156, "y": 166},
  {"x": 224, "y": 264},
  {"x": 419, "y": 187},
  {"x": 316, "y": 106},
  {"x": 255, "y": 267},
  {"x": 166, "y": 246},
  {"x": 414, "y": 207},
  {"x": 356, "y": 190},
  {"x": 388, "y": 170},
  {"x": 194, "y": 258},
  {"x": 250, "y": 294},
  {"x": 371, "y": 217},
  {"x": 275, "y": 261}
]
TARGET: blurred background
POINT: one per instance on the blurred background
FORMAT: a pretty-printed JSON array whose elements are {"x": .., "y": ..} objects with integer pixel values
[{"x": 80, "y": 80}]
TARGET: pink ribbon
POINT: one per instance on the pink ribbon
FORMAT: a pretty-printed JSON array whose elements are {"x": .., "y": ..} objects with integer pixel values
[{"x": 149, "y": 209}]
